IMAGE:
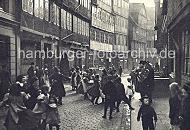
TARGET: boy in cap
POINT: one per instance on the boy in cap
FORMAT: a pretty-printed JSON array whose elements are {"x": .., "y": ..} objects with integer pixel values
[{"x": 147, "y": 113}]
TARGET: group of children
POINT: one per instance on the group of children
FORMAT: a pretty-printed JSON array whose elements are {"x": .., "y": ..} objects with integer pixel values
[
  {"x": 47, "y": 106},
  {"x": 19, "y": 117}
]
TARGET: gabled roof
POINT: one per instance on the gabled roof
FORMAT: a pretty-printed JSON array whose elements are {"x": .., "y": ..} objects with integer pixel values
[{"x": 136, "y": 7}]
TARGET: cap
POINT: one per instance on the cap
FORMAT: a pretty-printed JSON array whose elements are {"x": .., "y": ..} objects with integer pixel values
[
  {"x": 142, "y": 62},
  {"x": 144, "y": 97}
]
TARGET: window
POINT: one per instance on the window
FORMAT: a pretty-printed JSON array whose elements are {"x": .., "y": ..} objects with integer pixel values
[
  {"x": 54, "y": 14},
  {"x": 69, "y": 21},
  {"x": 86, "y": 3},
  {"x": 98, "y": 36},
  {"x": 82, "y": 27},
  {"x": 81, "y": 2},
  {"x": 36, "y": 8},
  {"x": 115, "y": 2},
  {"x": 39, "y": 8},
  {"x": 75, "y": 24},
  {"x": 24, "y": 5},
  {"x": 119, "y": 3},
  {"x": 92, "y": 34},
  {"x": 187, "y": 53},
  {"x": 89, "y": 4},
  {"x": 27, "y": 5},
  {"x": 106, "y": 38},
  {"x": 110, "y": 39},
  {"x": 46, "y": 10},
  {"x": 57, "y": 15},
  {"x": 87, "y": 29},
  {"x": 79, "y": 26},
  {"x": 126, "y": 23},
  {"x": 102, "y": 37},
  {"x": 63, "y": 18}
]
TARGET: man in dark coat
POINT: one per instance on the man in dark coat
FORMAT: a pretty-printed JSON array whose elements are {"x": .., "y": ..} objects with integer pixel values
[
  {"x": 185, "y": 108},
  {"x": 39, "y": 75},
  {"x": 121, "y": 96},
  {"x": 109, "y": 90},
  {"x": 56, "y": 80},
  {"x": 5, "y": 82},
  {"x": 146, "y": 79}
]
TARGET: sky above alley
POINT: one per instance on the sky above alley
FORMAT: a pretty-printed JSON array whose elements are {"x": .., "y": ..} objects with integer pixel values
[{"x": 148, "y": 3}]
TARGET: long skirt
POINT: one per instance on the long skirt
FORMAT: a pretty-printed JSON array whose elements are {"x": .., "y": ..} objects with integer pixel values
[{"x": 94, "y": 92}]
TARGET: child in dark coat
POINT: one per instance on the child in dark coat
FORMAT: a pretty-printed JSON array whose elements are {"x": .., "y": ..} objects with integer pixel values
[
  {"x": 147, "y": 113},
  {"x": 53, "y": 117}
]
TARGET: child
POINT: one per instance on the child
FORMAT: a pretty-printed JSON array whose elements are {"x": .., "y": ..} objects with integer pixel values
[
  {"x": 174, "y": 102},
  {"x": 147, "y": 113},
  {"x": 41, "y": 105},
  {"x": 15, "y": 100},
  {"x": 130, "y": 91},
  {"x": 53, "y": 118}
]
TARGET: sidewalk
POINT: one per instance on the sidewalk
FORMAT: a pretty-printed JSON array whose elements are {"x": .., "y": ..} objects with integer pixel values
[{"x": 161, "y": 106}]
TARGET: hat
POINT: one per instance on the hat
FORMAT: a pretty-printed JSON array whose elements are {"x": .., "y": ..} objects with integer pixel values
[
  {"x": 41, "y": 97},
  {"x": 144, "y": 97},
  {"x": 52, "y": 105},
  {"x": 19, "y": 78},
  {"x": 91, "y": 82},
  {"x": 142, "y": 62}
]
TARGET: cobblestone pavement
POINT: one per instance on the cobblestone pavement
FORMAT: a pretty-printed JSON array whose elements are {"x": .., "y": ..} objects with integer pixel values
[{"x": 80, "y": 114}]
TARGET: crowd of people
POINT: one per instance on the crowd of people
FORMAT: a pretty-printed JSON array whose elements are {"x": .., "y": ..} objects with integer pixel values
[
  {"x": 107, "y": 87},
  {"x": 34, "y": 98}
]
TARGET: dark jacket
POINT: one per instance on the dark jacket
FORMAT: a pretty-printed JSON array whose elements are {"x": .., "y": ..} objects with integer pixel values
[
  {"x": 147, "y": 113},
  {"x": 120, "y": 91},
  {"x": 147, "y": 79},
  {"x": 56, "y": 81},
  {"x": 174, "y": 103},
  {"x": 30, "y": 71},
  {"x": 110, "y": 91},
  {"x": 185, "y": 114}
]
